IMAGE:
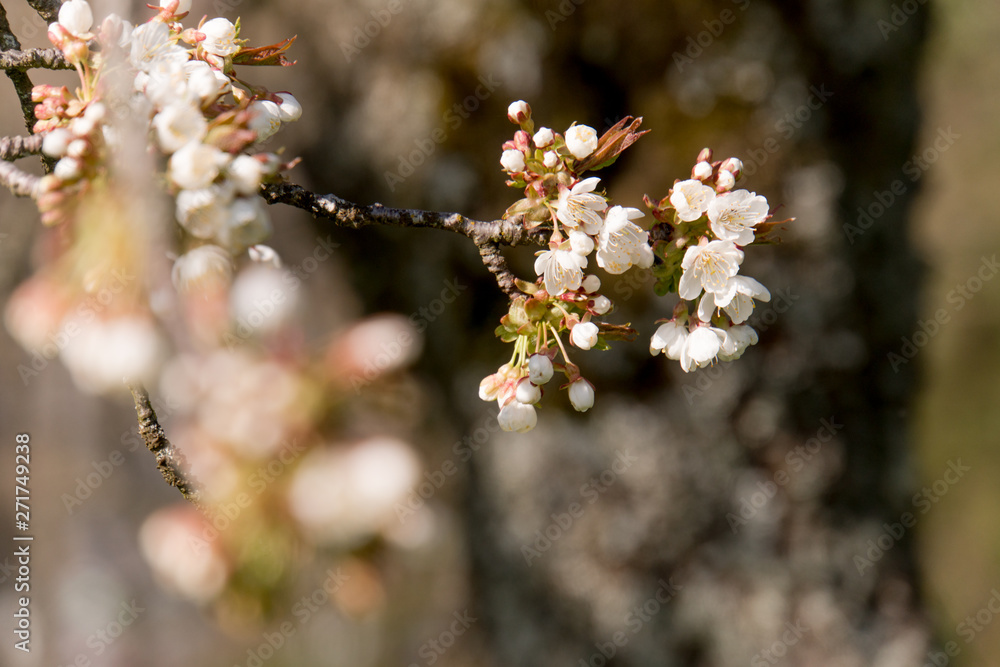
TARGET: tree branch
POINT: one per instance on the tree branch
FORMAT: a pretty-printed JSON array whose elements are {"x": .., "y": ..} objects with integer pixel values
[
  {"x": 18, "y": 182},
  {"x": 14, "y": 59},
  {"x": 170, "y": 462},
  {"x": 13, "y": 148},
  {"x": 47, "y": 9},
  {"x": 20, "y": 79},
  {"x": 487, "y": 235}
]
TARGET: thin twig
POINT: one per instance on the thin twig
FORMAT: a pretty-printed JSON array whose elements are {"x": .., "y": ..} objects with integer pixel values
[
  {"x": 20, "y": 79},
  {"x": 18, "y": 182},
  {"x": 13, "y": 148},
  {"x": 170, "y": 462},
  {"x": 15, "y": 59},
  {"x": 487, "y": 235}
]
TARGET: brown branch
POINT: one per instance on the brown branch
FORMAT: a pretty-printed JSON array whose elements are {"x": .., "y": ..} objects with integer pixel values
[
  {"x": 22, "y": 83},
  {"x": 14, "y": 59},
  {"x": 13, "y": 148},
  {"x": 47, "y": 9},
  {"x": 487, "y": 235},
  {"x": 170, "y": 462},
  {"x": 18, "y": 182}
]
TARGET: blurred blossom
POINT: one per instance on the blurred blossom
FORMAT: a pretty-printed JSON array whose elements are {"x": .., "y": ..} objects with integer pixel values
[
  {"x": 345, "y": 495},
  {"x": 376, "y": 346},
  {"x": 34, "y": 313},
  {"x": 260, "y": 299},
  {"x": 105, "y": 353},
  {"x": 171, "y": 541}
]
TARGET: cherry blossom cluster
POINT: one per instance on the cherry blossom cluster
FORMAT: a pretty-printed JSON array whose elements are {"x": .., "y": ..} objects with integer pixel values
[
  {"x": 707, "y": 224},
  {"x": 700, "y": 228}
]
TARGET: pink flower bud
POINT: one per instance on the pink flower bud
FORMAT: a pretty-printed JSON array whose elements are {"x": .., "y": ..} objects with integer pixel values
[{"x": 518, "y": 112}]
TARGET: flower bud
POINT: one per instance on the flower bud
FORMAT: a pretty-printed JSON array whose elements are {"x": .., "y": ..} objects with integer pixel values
[
  {"x": 289, "y": 108},
  {"x": 702, "y": 171},
  {"x": 518, "y": 417},
  {"x": 263, "y": 254},
  {"x": 539, "y": 369},
  {"x": 543, "y": 137},
  {"x": 591, "y": 284},
  {"x": 182, "y": 6},
  {"x": 57, "y": 142},
  {"x": 76, "y": 16},
  {"x": 518, "y": 112},
  {"x": 734, "y": 166},
  {"x": 602, "y": 304},
  {"x": 527, "y": 392},
  {"x": 581, "y": 395},
  {"x": 724, "y": 181},
  {"x": 550, "y": 159},
  {"x": 581, "y": 243},
  {"x": 581, "y": 140},
  {"x": 584, "y": 335},
  {"x": 68, "y": 169},
  {"x": 512, "y": 161},
  {"x": 705, "y": 155},
  {"x": 490, "y": 387}
]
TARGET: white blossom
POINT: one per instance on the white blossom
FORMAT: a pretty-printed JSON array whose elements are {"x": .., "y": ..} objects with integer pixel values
[
  {"x": 527, "y": 392},
  {"x": 196, "y": 165},
  {"x": 56, "y": 142},
  {"x": 581, "y": 243},
  {"x": 201, "y": 266},
  {"x": 105, "y": 352},
  {"x": 561, "y": 269},
  {"x": 152, "y": 45},
  {"x": 204, "y": 212},
  {"x": 512, "y": 160},
  {"x": 581, "y": 395},
  {"x": 248, "y": 224},
  {"x": 736, "y": 299},
  {"x": 584, "y": 335},
  {"x": 289, "y": 108},
  {"x": 179, "y": 124},
  {"x": 539, "y": 368},
  {"x": 265, "y": 118},
  {"x": 691, "y": 199},
  {"x": 602, "y": 305},
  {"x": 544, "y": 137},
  {"x": 621, "y": 243},
  {"x": 205, "y": 82},
  {"x": 724, "y": 181},
  {"x": 76, "y": 16},
  {"x": 591, "y": 284},
  {"x": 700, "y": 347},
  {"x": 220, "y": 37},
  {"x": 709, "y": 267},
  {"x": 669, "y": 338},
  {"x": 580, "y": 207},
  {"x": 517, "y": 416},
  {"x": 182, "y": 5},
  {"x": 737, "y": 339},
  {"x": 732, "y": 215},
  {"x": 245, "y": 173},
  {"x": 581, "y": 140}
]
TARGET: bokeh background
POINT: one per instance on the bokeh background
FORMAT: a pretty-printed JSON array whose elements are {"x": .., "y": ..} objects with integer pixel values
[{"x": 831, "y": 105}]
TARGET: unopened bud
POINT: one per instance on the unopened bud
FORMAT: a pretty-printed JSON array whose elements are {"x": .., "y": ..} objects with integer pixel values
[
  {"x": 734, "y": 166},
  {"x": 519, "y": 112},
  {"x": 705, "y": 155},
  {"x": 702, "y": 171}
]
